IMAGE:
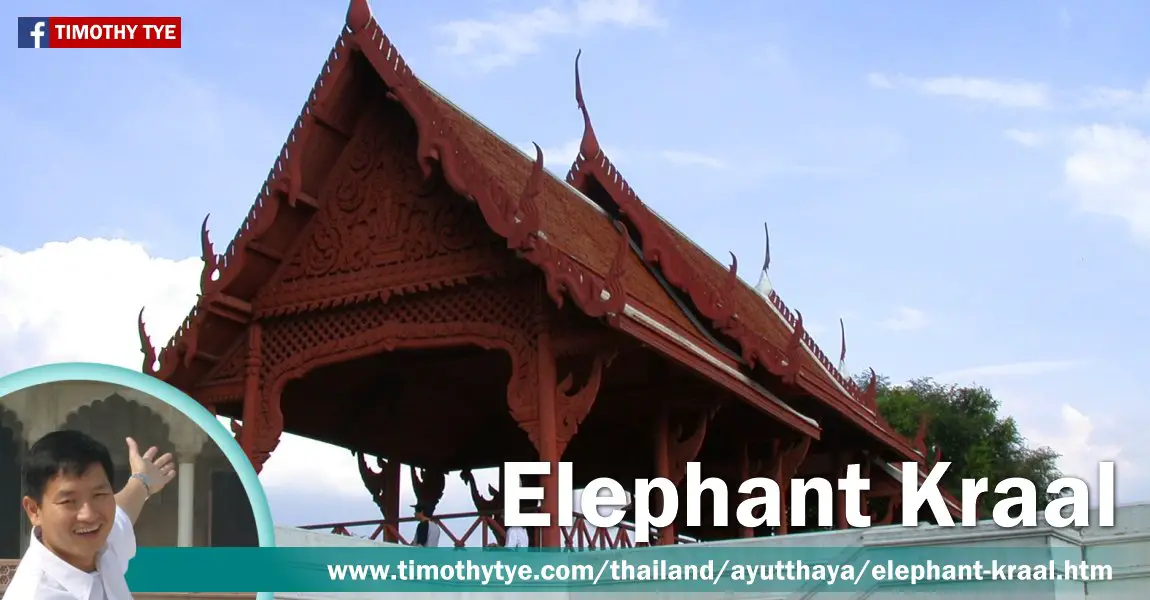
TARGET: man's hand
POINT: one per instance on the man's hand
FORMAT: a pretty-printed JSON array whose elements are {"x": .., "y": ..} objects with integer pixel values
[{"x": 158, "y": 472}]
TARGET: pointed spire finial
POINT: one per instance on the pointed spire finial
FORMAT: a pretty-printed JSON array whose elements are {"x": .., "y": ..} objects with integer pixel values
[
  {"x": 589, "y": 144},
  {"x": 843, "y": 341},
  {"x": 764, "y": 286},
  {"x": 767, "y": 257}
]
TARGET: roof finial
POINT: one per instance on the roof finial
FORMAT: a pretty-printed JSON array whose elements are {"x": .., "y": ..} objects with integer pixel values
[
  {"x": 843, "y": 353},
  {"x": 764, "y": 287},
  {"x": 589, "y": 145},
  {"x": 358, "y": 15}
]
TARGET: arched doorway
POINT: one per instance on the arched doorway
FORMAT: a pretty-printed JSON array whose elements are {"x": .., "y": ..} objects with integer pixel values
[
  {"x": 11, "y": 486},
  {"x": 110, "y": 421}
]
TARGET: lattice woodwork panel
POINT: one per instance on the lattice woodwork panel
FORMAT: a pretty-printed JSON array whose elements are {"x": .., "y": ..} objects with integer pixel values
[
  {"x": 513, "y": 306},
  {"x": 380, "y": 232}
]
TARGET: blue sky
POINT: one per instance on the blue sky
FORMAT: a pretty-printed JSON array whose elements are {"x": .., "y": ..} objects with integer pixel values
[{"x": 968, "y": 187}]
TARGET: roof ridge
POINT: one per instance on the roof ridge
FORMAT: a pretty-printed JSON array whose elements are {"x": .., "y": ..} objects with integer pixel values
[
  {"x": 513, "y": 217},
  {"x": 282, "y": 181},
  {"x": 661, "y": 244}
]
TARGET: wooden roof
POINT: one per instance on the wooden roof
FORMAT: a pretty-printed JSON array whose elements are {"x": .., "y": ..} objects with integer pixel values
[{"x": 677, "y": 299}]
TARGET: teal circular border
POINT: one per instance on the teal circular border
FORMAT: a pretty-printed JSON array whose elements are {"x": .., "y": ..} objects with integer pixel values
[{"x": 78, "y": 371}]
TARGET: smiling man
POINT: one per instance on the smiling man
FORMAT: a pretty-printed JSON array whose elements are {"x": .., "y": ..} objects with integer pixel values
[{"x": 83, "y": 532}]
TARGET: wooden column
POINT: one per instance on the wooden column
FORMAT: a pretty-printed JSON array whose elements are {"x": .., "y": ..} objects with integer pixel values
[
  {"x": 663, "y": 469},
  {"x": 744, "y": 474},
  {"x": 551, "y": 536},
  {"x": 787, "y": 457},
  {"x": 262, "y": 424},
  {"x": 841, "y": 459},
  {"x": 391, "y": 477}
]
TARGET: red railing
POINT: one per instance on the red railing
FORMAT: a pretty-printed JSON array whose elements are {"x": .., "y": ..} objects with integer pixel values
[{"x": 485, "y": 529}]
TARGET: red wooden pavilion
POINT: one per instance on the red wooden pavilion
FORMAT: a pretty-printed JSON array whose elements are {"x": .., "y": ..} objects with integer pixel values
[{"x": 404, "y": 265}]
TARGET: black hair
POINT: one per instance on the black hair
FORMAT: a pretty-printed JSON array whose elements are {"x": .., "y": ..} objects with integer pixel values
[{"x": 65, "y": 452}]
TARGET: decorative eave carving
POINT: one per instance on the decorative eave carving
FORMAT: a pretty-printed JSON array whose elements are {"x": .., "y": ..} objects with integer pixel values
[
  {"x": 514, "y": 218},
  {"x": 795, "y": 353},
  {"x": 661, "y": 247},
  {"x": 682, "y": 450},
  {"x": 785, "y": 459},
  {"x": 927, "y": 460},
  {"x": 573, "y": 407},
  {"x": 428, "y": 485},
  {"x": 483, "y": 505},
  {"x": 211, "y": 260},
  {"x": 378, "y": 483},
  {"x": 869, "y": 396},
  {"x": 283, "y": 185},
  {"x": 179, "y": 351}
]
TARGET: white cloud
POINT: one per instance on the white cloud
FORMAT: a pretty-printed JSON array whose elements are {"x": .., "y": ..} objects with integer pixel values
[
  {"x": 693, "y": 159},
  {"x": 503, "y": 39},
  {"x": 1074, "y": 438},
  {"x": 1025, "y": 138},
  {"x": 78, "y": 301},
  {"x": 1109, "y": 173},
  {"x": 905, "y": 319},
  {"x": 1015, "y": 369},
  {"x": 1081, "y": 438},
  {"x": 1008, "y": 93},
  {"x": 1118, "y": 99}
]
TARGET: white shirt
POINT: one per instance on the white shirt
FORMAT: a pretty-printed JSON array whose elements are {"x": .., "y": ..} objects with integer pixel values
[
  {"x": 516, "y": 538},
  {"x": 433, "y": 529},
  {"x": 41, "y": 575}
]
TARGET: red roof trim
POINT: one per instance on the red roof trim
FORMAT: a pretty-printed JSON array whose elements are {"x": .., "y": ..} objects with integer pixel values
[
  {"x": 660, "y": 245},
  {"x": 514, "y": 217}
]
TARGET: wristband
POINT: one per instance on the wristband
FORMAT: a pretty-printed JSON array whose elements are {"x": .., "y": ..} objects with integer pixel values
[{"x": 145, "y": 481}]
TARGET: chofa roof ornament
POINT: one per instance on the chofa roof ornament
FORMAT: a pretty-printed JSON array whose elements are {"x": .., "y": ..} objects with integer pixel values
[
  {"x": 843, "y": 345},
  {"x": 764, "y": 286}
]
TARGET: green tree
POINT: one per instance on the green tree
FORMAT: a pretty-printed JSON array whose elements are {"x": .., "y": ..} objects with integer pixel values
[{"x": 965, "y": 424}]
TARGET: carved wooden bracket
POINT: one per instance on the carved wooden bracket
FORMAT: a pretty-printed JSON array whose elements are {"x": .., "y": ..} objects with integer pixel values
[
  {"x": 894, "y": 506},
  {"x": 211, "y": 260},
  {"x": 483, "y": 505},
  {"x": 795, "y": 353},
  {"x": 429, "y": 485},
  {"x": 168, "y": 357},
  {"x": 787, "y": 460},
  {"x": 379, "y": 483},
  {"x": 920, "y": 444},
  {"x": 573, "y": 408},
  {"x": 869, "y": 396},
  {"x": 784, "y": 461},
  {"x": 258, "y": 433},
  {"x": 681, "y": 451}
]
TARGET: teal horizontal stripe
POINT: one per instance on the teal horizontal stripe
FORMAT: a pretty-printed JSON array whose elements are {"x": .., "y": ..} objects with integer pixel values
[{"x": 687, "y": 568}]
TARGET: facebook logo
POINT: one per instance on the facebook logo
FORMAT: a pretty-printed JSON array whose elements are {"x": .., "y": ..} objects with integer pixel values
[{"x": 32, "y": 32}]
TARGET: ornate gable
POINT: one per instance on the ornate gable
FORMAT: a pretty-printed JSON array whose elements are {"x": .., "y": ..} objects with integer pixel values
[{"x": 379, "y": 231}]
